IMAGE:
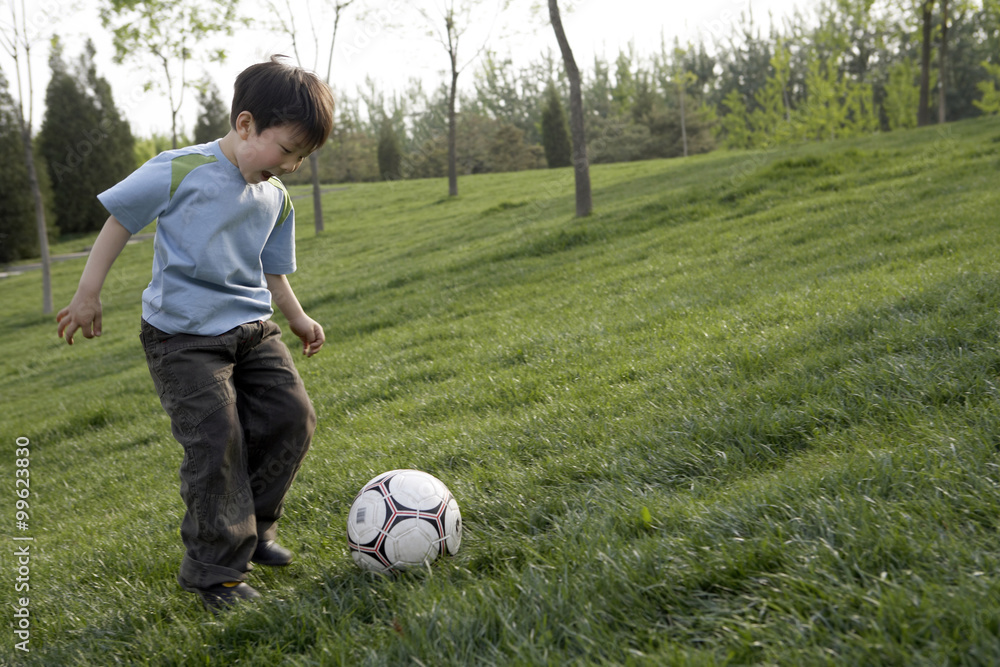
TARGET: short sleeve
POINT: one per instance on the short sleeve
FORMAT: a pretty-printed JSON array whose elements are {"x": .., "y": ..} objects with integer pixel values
[
  {"x": 142, "y": 196},
  {"x": 278, "y": 256}
]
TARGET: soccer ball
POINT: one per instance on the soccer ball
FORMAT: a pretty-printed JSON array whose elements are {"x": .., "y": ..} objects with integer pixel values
[{"x": 403, "y": 519}]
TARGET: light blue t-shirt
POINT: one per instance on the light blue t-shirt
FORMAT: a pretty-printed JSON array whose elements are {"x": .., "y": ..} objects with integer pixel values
[{"x": 216, "y": 237}]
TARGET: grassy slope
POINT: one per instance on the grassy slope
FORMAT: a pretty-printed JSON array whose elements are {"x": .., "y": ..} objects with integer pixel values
[{"x": 747, "y": 412}]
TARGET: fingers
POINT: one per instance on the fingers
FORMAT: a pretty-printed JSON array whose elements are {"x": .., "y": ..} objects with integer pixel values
[
  {"x": 68, "y": 326},
  {"x": 312, "y": 344},
  {"x": 69, "y": 331}
]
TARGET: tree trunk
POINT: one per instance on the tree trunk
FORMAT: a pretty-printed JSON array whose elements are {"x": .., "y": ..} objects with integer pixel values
[
  {"x": 923, "y": 113},
  {"x": 684, "y": 135},
  {"x": 581, "y": 164},
  {"x": 452, "y": 133},
  {"x": 943, "y": 65},
  {"x": 317, "y": 197},
  {"x": 43, "y": 232}
]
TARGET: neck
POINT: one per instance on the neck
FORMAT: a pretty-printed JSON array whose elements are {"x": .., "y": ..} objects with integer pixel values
[{"x": 228, "y": 145}]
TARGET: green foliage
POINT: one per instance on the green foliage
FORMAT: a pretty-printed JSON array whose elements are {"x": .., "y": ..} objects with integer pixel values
[
  {"x": 862, "y": 117},
  {"x": 555, "y": 131},
  {"x": 824, "y": 113},
  {"x": 167, "y": 33},
  {"x": 902, "y": 95},
  {"x": 512, "y": 96},
  {"x": 150, "y": 147},
  {"x": 350, "y": 156},
  {"x": 624, "y": 92},
  {"x": 771, "y": 119},
  {"x": 733, "y": 125},
  {"x": 18, "y": 232},
  {"x": 86, "y": 144},
  {"x": 989, "y": 102},
  {"x": 508, "y": 151},
  {"x": 746, "y": 413},
  {"x": 390, "y": 157},
  {"x": 213, "y": 115}
]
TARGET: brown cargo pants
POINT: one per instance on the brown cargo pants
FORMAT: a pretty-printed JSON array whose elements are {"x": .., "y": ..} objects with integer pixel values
[{"x": 240, "y": 411}]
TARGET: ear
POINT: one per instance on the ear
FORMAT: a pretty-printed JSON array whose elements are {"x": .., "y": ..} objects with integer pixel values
[{"x": 244, "y": 124}]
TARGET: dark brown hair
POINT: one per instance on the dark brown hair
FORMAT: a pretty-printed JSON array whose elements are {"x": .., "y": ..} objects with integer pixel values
[{"x": 277, "y": 94}]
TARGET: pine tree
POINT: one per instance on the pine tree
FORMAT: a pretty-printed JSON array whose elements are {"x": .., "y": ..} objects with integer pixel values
[
  {"x": 213, "y": 115},
  {"x": 86, "y": 144},
  {"x": 770, "y": 120},
  {"x": 624, "y": 92},
  {"x": 115, "y": 154},
  {"x": 824, "y": 114},
  {"x": 555, "y": 132},
  {"x": 18, "y": 237},
  {"x": 733, "y": 126},
  {"x": 390, "y": 153},
  {"x": 69, "y": 132}
]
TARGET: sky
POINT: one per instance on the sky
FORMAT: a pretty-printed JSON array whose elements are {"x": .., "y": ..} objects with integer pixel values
[{"x": 389, "y": 44}]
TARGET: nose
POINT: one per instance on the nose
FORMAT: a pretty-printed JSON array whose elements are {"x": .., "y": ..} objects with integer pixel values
[{"x": 292, "y": 165}]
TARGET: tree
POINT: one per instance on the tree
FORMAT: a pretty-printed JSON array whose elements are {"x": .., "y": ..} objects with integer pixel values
[
  {"x": 390, "y": 154},
  {"x": 927, "y": 18},
  {"x": 288, "y": 27},
  {"x": 17, "y": 40},
  {"x": 745, "y": 64},
  {"x": 623, "y": 93},
  {"x": 825, "y": 110},
  {"x": 771, "y": 119},
  {"x": 598, "y": 93},
  {"x": 581, "y": 164},
  {"x": 734, "y": 125},
  {"x": 17, "y": 233},
  {"x": 168, "y": 32},
  {"x": 989, "y": 101},
  {"x": 86, "y": 144},
  {"x": 555, "y": 134},
  {"x": 943, "y": 65},
  {"x": 449, "y": 25},
  {"x": 901, "y": 96},
  {"x": 514, "y": 96},
  {"x": 681, "y": 78},
  {"x": 509, "y": 152},
  {"x": 213, "y": 117}
]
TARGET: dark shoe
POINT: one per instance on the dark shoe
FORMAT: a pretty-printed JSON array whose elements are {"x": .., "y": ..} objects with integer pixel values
[
  {"x": 271, "y": 553},
  {"x": 220, "y": 596}
]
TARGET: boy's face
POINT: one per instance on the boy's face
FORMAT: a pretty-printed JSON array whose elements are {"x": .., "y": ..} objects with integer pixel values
[{"x": 273, "y": 152}]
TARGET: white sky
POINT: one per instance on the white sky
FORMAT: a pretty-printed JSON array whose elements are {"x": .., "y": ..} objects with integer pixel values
[{"x": 389, "y": 54}]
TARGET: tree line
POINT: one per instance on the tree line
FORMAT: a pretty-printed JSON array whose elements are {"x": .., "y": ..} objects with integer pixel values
[{"x": 854, "y": 67}]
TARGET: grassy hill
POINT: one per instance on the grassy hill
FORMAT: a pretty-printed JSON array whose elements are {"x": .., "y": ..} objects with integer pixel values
[{"x": 746, "y": 413}]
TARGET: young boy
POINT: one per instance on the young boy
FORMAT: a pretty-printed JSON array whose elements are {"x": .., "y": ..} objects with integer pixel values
[{"x": 225, "y": 241}]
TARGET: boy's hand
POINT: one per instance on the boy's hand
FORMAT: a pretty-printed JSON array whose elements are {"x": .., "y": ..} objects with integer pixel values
[
  {"x": 310, "y": 332},
  {"x": 83, "y": 313}
]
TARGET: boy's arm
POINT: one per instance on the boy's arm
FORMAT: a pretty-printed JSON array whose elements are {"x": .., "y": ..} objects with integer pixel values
[
  {"x": 84, "y": 311},
  {"x": 307, "y": 329}
]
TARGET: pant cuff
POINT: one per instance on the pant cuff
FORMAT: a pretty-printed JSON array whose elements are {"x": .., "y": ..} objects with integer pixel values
[{"x": 195, "y": 575}]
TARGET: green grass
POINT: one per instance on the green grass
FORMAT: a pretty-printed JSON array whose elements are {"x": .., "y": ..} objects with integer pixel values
[{"x": 746, "y": 413}]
